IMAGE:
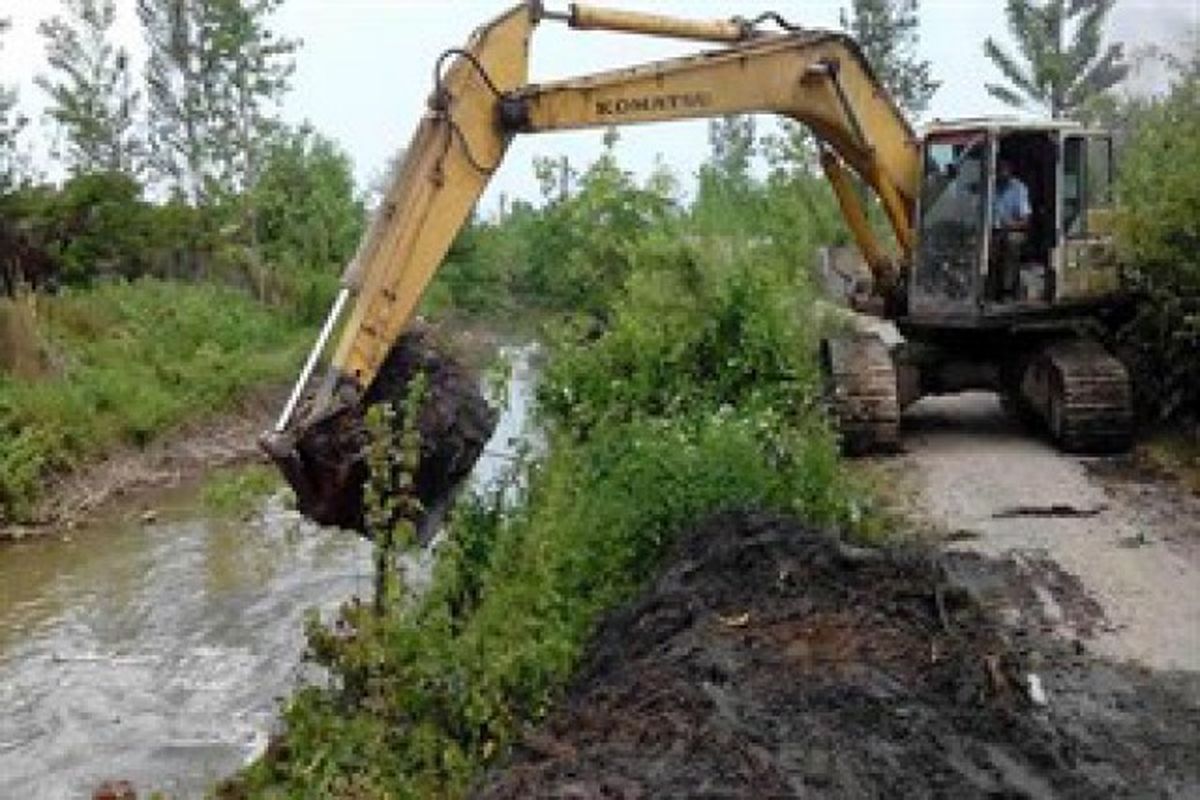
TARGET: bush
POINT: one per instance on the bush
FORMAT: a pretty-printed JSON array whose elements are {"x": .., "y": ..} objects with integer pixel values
[
  {"x": 308, "y": 215},
  {"x": 1159, "y": 236},
  {"x": 682, "y": 382}
]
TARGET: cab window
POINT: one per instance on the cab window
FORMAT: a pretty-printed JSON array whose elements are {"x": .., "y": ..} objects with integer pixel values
[{"x": 1087, "y": 181}]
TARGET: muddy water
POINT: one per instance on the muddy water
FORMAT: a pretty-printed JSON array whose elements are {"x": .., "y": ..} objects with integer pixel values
[{"x": 157, "y": 652}]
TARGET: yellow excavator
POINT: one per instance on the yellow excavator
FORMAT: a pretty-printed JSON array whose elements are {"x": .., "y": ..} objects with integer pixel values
[{"x": 974, "y": 311}]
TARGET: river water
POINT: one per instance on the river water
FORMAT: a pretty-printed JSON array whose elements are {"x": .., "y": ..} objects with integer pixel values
[{"x": 159, "y": 652}]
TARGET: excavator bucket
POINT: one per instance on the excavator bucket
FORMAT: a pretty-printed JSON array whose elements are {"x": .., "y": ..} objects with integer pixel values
[{"x": 322, "y": 456}]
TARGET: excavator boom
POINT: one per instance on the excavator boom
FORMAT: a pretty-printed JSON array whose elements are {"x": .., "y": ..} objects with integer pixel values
[{"x": 482, "y": 98}]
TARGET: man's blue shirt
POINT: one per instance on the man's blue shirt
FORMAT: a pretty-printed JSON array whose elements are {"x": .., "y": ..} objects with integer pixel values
[{"x": 1011, "y": 204}]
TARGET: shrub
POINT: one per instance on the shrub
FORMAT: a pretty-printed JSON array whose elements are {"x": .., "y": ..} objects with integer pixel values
[{"x": 1159, "y": 236}]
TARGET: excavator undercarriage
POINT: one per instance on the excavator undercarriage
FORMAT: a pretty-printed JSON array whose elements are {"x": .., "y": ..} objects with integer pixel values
[{"x": 1061, "y": 382}]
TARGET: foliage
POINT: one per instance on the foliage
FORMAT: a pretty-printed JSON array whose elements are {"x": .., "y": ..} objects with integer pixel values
[
  {"x": 237, "y": 490},
  {"x": 887, "y": 32},
  {"x": 1159, "y": 235},
  {"x": 580, "y": 250},
  {"x": 574, "y": 254},
  {"x": 91, "y": 94},
  {"x": 252, "y": 68},
  {"x": 136, "y": 360},
  {"x": 103, "y": 227},
  {"x": 393, "y": 454},
  {"x": 1059, "y": 76},
  {"x": 308, "y": 213},
  {"x": 426, "y": 696},
  {"x": 97, "y": 225},
  {"x": 214, "y": 79},
  {"x": 11, "y": 124},
  {"x": 725, "y": 181},
  {"x": 307, "y": 221},
  {"x": 23, "y": 352}
]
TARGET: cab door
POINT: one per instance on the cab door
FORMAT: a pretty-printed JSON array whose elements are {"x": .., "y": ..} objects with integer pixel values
[
  {"x": 1085, "y": 256},
  {"x": 952, "y": 239}
]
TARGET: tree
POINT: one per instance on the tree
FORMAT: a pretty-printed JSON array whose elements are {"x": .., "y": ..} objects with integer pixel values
[
  {"x": 252, "y": 70},
  {"x": 176, "y": 115},
  {"x": 92, "y": 98},
  {"x": 725, "y": 183},
  {"x": 309, "y": 214},
  {"x": 11, "y": 123},
  {"x": 1159, "y": 240},
  {"x": 1062, "y": 78},
  {"x": 886, "y": 30},
  {"x": 215, "y": 75}
]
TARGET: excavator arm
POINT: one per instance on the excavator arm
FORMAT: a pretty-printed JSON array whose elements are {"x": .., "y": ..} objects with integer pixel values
[{"x": 482, "y": 98}]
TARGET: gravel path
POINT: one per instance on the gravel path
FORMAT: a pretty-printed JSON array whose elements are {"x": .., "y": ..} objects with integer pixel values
[{"x": 1114, "y": 556}]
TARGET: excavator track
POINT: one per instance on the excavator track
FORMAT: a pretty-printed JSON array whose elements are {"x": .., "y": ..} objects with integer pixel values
[
  {"x": 1082, "y": 394},
  {"x": 861, "y": 386}
]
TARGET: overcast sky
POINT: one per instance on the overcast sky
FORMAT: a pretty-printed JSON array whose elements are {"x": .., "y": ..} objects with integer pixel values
[{"x": 363, "y": 73}]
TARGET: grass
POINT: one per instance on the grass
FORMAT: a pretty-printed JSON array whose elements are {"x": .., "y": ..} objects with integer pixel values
[
  {"x": 1177, "y": 453},
  {"x": 133, "y": 361},
  {"x": 23, "y": 353},
  {"x": 236, "y": 491}
]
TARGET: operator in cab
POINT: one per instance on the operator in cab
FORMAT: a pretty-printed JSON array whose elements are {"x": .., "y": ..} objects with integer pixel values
[{"x": 1010, "y": 225}]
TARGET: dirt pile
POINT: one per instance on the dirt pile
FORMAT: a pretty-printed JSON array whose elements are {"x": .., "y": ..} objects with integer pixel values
[
  {"x": 770, "y": 661},
  {"x": 324, "y": 461}
]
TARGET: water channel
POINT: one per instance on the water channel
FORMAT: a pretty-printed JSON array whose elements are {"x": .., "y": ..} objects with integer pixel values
[{"x": 158, "y": 652}]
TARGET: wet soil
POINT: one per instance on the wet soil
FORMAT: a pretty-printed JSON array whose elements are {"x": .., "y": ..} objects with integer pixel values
[{"x": 768, "y": 660}]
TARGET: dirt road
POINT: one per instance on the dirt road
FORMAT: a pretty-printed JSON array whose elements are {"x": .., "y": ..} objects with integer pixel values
[{"x": 1113, "y": 555}]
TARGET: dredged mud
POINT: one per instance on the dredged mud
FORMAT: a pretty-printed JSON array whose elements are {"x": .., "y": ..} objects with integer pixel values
[
  {"x": 768, "y": 660},
  {"x": 324, "y": 461}
]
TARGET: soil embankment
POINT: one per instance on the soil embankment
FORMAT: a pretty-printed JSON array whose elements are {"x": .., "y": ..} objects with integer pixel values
[
  {"x": 769, "y": 661},
  {"x": 220, "y": 440}
]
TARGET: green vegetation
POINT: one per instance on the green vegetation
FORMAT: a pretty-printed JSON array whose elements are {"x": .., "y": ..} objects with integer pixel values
[
  {"x": 562, "y": 257},
  {"x": 1159, "y": 190},
  {"x": 11, "y": 124},
  {"x": 887, "y": 31},
  {"x": 93, "y": 98},
  {"x": 133, "y": 360},
  {"x": 1066, "y": 66},
  {"x": 238, "y": 490},
  {"x": 187, "y": 254},
  {"x": 690, "y": 387}
]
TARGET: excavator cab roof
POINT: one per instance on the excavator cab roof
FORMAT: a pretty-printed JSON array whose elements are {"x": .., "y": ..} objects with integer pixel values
[{"x": 1000, "y": 124}]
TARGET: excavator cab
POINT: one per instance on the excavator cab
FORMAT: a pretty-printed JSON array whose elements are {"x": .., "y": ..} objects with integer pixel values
[{"x": 975, "y": 263}]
